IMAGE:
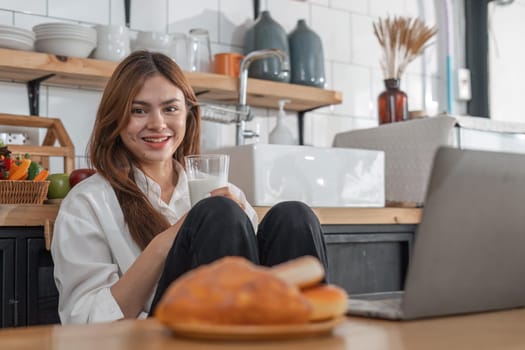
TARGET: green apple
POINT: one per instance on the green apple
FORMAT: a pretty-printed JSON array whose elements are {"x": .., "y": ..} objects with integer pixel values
[{"x": 59, "y": 186}]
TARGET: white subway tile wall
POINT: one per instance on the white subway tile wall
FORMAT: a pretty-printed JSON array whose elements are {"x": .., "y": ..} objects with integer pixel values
[
  {"x": 386, "y": 8},
  {"x": 92, "y": 11},
  {"x": 333, "y": 26},
  {"x": 151, "y": 15},
  {"x": 287, "y": 13},
  {"x": 357, "y": 6},
  {"x": 234, "y": 23},
  {"x": 345, "y": 27},
  {"x": 117, "y": 14},
  {"x": 6, "y": 18},
  {"x": 354, "y": 83},
  {"x": 37, "y": 7},
  {"x": 185, "y": 15},
  {"x": 365, "y": 48}
]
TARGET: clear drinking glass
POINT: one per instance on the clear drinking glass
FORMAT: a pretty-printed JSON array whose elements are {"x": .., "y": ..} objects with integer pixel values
[
  {"x": 205, "y": 173},
  {"x": 179, "y": 50},
  {"x": 199, "y": 50}
]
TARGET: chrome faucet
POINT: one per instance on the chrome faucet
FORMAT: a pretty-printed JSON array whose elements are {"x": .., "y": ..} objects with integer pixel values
[{"x": 245, "y": 112}]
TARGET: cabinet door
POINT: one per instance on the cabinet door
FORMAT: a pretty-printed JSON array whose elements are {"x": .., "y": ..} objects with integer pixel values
[
  {"x": 42, "y": 294},
  {"x": 8, "y": 302},
  {"x": 368, "y": 258}
]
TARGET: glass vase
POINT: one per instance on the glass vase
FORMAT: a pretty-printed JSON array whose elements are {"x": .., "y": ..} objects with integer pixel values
[{"x": 392, "y": 104}]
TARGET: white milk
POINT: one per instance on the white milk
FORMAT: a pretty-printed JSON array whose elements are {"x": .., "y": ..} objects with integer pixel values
[{"x": 200, "y": 188}]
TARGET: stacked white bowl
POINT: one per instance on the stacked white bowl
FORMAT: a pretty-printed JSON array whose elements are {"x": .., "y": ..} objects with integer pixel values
[
  {"x": 65, "y": 39},
  {"x": 16, "y": 38}
]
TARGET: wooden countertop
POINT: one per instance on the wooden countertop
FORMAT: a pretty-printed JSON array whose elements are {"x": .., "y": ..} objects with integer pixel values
[
  {"x": 27, "y": 214},
  {"x": 495, "y": 330},
  {"x": 39, "y": 215}
]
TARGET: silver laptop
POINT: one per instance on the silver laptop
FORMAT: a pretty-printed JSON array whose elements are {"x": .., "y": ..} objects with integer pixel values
[{"x": 469, "y": 251}]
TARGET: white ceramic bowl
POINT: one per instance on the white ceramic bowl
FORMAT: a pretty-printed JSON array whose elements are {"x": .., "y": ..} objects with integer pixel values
[
  {"x": 16, "y": 38},
  {"x": 65, "y": 47},
  {"x": 69, "y": 35},
  {"x": 16, "y": 43},
  {"x": 64, "y": 30},
  {"x": 18, "y": 32}
]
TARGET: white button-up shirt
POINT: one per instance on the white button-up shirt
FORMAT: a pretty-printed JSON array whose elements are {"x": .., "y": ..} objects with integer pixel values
[{"x": 92, "y": 246}]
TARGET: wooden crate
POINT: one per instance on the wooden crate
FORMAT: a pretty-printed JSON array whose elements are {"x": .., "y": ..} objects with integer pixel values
[{"x": 55, "y": 133}]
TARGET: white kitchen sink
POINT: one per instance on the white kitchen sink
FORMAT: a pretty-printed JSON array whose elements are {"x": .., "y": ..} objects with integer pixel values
[{"x": 320, "y": 177}]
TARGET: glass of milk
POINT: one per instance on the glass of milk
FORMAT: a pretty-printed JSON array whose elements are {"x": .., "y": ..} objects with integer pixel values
[{"x": 206, "y": 172}]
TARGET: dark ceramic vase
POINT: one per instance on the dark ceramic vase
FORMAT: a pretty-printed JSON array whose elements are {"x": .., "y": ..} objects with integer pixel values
[
  {"x": 306, "y": 55},
  {"x": 266, "y": 34}
]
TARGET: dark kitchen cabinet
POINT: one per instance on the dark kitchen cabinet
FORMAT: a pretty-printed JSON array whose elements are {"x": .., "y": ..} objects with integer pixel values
[
  {"x": 28, "y": 292},
  {"x": 368, "y": 258},
  {"x": 42, "y": 294},
  {"x": 7, "y": 283}
]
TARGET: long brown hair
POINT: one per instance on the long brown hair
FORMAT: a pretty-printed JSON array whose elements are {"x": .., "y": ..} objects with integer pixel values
[{"x": 109, "y": 155}]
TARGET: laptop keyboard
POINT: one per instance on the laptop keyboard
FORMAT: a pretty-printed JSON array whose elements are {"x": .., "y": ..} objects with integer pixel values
[{"x": 373, "y": 306}]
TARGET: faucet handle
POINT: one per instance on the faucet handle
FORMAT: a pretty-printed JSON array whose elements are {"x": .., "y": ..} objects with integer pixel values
[{"x": 249, "y": 134}]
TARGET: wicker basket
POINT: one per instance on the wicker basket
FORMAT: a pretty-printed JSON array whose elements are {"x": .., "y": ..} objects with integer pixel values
[{"x": 23, "y": 191}]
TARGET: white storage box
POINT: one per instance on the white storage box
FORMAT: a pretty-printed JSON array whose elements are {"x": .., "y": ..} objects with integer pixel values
[{"x": 410, "y": 147}]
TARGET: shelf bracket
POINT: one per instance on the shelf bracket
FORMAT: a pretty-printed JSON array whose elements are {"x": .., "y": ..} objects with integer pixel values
[
  {"x": 256, "y": 8},
  {"x": 127, "y": 11},
  {"x": 33, "y": 93},
  {"x": 300, "y": 126}
]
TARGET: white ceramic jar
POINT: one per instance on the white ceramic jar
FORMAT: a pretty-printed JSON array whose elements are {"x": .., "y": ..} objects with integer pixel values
[
  {"x": 152, "y": 41},
  {"x": 113, "y": 43}
]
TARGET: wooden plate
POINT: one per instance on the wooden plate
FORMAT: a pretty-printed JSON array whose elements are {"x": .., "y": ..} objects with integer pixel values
[{"x": 272, "y": 332}]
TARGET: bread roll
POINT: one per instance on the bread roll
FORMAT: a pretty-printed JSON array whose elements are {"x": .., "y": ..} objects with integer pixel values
[
  {"x": 328, "y": 301},
  {"x": 232, "y": 291},
  {"x": 303, "y": 272}
]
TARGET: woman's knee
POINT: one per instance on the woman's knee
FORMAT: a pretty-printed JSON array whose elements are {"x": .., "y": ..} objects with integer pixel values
[
  {"x": 218, "y": 215},
  {"x": 217, "y": 206},
  {"x": 293, "y": 210}
]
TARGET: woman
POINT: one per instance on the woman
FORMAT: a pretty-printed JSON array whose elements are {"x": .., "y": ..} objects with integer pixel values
[{"x": 124, "y": 234}]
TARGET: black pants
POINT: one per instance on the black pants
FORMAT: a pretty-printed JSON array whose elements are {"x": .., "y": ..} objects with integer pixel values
[{"x": 216, "y": 227}]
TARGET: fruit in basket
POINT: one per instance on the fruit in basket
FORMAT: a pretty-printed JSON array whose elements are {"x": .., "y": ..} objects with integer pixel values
[
  {"x": 19, "y": 169},
  {"x": 5, "y": 161},
  {"x": 34, "y": 169},
  {"x": 59, "y": 185},
  {"x": 36, "y": 172},
  {"x": 80, "y": 174}
]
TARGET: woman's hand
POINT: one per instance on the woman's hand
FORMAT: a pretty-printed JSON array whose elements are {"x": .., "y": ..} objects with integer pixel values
[{"x": 226, "y": 192}]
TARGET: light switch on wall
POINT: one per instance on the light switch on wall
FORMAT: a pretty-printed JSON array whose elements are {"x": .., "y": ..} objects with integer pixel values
[{"x": 464, "y": 91}]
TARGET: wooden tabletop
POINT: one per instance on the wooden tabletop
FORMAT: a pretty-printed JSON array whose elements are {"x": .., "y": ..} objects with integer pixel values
[{"x": 496, "y": 330}]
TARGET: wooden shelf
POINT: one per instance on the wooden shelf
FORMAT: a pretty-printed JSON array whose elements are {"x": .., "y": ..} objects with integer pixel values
[{"x": 23, "y": 66}]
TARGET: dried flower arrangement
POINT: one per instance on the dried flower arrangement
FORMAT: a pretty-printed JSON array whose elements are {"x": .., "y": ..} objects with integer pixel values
[{"x": 402, "y": 39}]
